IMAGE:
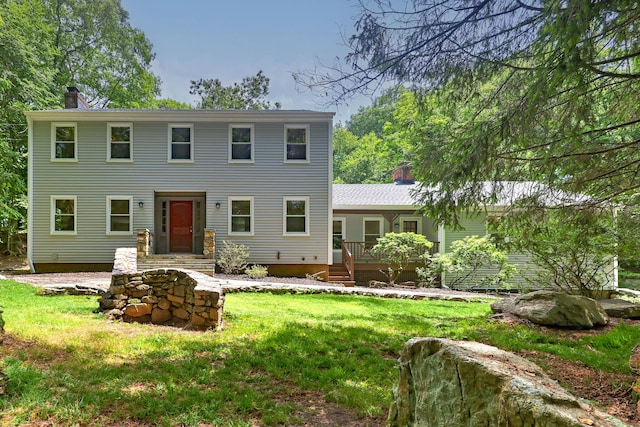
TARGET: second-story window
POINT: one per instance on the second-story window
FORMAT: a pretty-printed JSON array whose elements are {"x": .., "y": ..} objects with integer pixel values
[
  {"x": 64, "y": 142},
  {"x": 181, "y": 143},
  {"x": 120, "y": 142},
  {"x": 296, "y": 143},
  {"x": 241, "y": 143}
]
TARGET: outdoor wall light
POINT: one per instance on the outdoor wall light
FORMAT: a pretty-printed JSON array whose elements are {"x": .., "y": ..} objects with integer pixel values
[
  {"x": 396, "y": 225},
  {"x": 141, "y": 204},
  {"x": 217, "y": 205}
]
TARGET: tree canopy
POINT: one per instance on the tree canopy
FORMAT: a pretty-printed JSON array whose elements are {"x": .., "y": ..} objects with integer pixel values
[
  {"x": 249, "y": 94},
  {"x": 375, "y": 140},
  {"x": 541, "y": 90},
  {"x": 47, "y": 45}
]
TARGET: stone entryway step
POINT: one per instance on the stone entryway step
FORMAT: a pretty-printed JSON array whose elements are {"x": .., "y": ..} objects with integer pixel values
[{"x": 185, "y": 262}]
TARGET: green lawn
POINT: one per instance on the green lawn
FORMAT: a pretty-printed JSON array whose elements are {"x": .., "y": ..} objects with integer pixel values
[{"x": 67, "y": 365}]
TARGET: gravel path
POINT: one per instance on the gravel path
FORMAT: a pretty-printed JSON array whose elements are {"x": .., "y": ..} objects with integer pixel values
[{"x": 242, "y": 283}]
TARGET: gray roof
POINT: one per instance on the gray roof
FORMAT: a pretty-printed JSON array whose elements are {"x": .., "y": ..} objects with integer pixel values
[
  {"x": 372, "y": 196},
  {"x": 393, "y": 196}
]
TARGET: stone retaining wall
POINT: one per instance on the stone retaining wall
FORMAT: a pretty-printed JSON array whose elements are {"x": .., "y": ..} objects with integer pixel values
[{"x": 164, "y": 296}]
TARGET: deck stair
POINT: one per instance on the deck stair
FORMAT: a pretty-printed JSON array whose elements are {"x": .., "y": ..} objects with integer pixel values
[
  {"x": 338, "y": 274},
  {"x": 186, "y": 262}
]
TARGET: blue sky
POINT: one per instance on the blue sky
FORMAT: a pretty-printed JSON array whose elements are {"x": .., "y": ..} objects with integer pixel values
[{"x": 233, "y": 39}]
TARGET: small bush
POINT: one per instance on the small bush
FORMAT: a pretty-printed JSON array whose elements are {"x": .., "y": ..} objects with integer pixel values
[
  {"x": 475, "y": 261},
  {"x": 232, "y": 259},
  {"x": 257, "y": 271}
]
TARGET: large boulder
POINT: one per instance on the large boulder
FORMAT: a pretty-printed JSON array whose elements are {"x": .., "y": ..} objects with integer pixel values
[
  {"x": 448, "y": 383},
  {"x": 617, "y": 307},
  {"x": 554, "y": 309}
]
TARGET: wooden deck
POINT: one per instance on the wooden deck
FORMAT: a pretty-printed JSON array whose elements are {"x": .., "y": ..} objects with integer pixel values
[{"x": 357, "y": 255}]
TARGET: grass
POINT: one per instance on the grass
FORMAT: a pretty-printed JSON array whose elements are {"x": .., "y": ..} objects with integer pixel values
[{"x": 276, "y": 354}]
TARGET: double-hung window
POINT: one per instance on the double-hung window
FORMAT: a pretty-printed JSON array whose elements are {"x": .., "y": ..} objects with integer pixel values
[
  {"x": 410, "y": 225},
  {"x": 119, "y": 142},
  {"x": 372, "y": 231},
  {"x": 296, "y": 143},
  {"x": 241, "y": 215},
  {"x": 119, "y": 215},
  {"x": 64, "y": 142},
  {"x": 296, "y": 216},
  {"x": 63, "y": 215},
  {"x": 338, "y": 232},
  {"x": 181, "y": 143},
  {"x": 241, "y": 143}
]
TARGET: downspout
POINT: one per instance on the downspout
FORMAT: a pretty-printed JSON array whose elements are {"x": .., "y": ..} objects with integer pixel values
[
  {"x": 330, "y": 195},
  {"x": 442, "y": 243},
  {"x": 30, "y": 194}
]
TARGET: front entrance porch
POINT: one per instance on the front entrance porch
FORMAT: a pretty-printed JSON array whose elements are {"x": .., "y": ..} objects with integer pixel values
[
  {"x": 179, "y": 222},
  {"x": 204, "y": 262}
]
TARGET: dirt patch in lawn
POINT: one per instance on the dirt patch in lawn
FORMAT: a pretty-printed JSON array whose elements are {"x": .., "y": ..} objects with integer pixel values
[{"x": 611, "y": 391}]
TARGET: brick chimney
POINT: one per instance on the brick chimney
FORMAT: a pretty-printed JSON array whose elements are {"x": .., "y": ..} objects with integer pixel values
[
  {"x": 73, "y": 99},
  {"x": 402, "y": 174}
]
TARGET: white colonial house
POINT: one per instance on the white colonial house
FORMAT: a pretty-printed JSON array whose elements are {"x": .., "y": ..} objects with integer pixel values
[{"x": 177, "y": 184}]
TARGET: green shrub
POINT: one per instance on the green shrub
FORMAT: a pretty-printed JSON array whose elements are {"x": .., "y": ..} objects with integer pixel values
[
  {"x": 257, "y": 271},
  {"x": 397, "y": 250},
  {"x": 474, "y": 260},
  {"x": 232, "y": 259}
]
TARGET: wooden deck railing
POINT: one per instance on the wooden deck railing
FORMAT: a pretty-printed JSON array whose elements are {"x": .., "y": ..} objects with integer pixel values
[
  {"x": 361, "y": 252},
  {"x": 348, "y": 261}
]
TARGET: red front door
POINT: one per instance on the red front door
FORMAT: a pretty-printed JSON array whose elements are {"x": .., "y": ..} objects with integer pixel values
[{"x": 181, "y": 226}]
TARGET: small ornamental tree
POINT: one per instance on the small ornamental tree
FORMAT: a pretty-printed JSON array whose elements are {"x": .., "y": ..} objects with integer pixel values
[
  {"x": 397, "y": 250},
  {"x": 233, "y": 257},
  {"x": 477, "y": 260}
]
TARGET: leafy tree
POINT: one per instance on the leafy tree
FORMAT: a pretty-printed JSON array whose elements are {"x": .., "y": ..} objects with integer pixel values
[
  {"x": 538, "y": 90},
  {"x": 47, "y": 45},
  {"x": 170, "y": 104},
  {"x": 371, "y": 157},
  {"x": 99, "y": 51},
  {"x": 360, "y": 160},
  {"x": 397, "y": 250},
  {"x": 26, "y": 80},
  {"x": 473, "y": 260},
  {"x": 249, "y": 94},
  {"x": 549, "y": 90},
  {"x": 570, "y": 247},
  {"x": 375, "y": 117}
]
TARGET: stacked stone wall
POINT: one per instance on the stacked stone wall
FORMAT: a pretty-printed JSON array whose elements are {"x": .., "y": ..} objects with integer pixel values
[{"x": 164, "y": 296}]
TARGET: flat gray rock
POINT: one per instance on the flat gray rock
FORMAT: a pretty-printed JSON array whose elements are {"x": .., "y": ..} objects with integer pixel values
[
  {"x": 620, "y": 308},
  {"x": 551, "y": 308},
  {"x": 72, "y": 289}
]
